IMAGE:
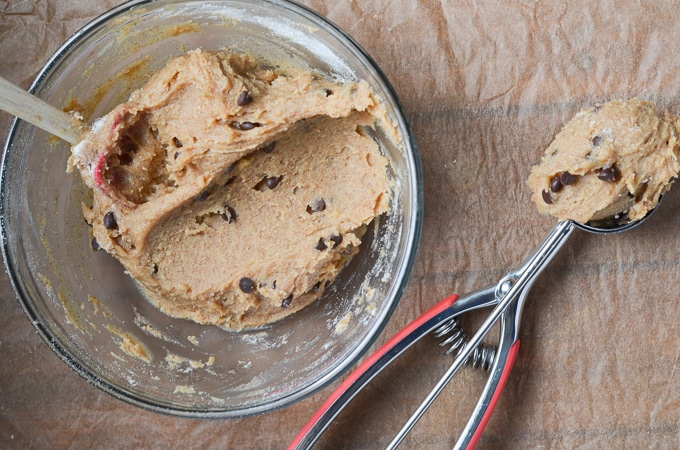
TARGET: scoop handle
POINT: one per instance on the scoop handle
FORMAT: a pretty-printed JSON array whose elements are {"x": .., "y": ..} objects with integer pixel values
[
  {"x": 363, "y": 374},
  {"x": 450, "y": 307},
  {"x": 508, "y": 347},
  {"x": 30, "y": 108},
  {"x": 518, "y": 284}
]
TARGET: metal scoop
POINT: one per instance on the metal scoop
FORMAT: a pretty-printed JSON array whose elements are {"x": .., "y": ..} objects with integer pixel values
[{"x": 508, "y": 296}]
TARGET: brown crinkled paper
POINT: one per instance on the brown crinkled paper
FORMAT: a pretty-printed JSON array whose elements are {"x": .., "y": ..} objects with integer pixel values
[{"x": 486, "y": 85}]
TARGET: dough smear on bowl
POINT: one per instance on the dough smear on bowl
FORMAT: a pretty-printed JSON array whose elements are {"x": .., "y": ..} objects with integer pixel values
[
  {"x": 234, "y": 193},
  {"x": 611, "y": 160}
]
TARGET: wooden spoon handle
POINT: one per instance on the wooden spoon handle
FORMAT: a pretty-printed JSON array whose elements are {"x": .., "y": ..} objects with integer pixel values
[{"x": 30, "y": 108}]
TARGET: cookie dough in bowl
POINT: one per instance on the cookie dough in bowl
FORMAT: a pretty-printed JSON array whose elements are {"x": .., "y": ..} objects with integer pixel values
[
  {"x": 612, "y": 159},
  {"x": 233, "y": 193},
  {"x": 230, "y": 335}
]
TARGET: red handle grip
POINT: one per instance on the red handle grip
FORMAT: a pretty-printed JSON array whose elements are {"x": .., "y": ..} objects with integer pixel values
[
  {"x": 355, "y": 376},
  {"x": 512, "y": 355}
]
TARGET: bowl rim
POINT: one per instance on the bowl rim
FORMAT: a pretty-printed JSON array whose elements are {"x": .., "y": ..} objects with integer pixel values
[{"x": 403, "y": 274}]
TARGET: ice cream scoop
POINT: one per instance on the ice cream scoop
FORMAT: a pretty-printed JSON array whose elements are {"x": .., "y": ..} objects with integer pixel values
[{"x": 585, "y": 160}]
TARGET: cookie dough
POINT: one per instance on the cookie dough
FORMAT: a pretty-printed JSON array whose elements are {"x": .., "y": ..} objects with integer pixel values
[
  {"x": 234, "y": 193},
  {"x": 613, "y": 159}
]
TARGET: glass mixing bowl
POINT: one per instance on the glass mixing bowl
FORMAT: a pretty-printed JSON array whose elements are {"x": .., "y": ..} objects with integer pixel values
[{"x": 92, "y": 314}]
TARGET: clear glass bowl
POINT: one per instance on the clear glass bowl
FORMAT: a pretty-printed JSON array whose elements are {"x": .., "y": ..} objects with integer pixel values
[{"x": 89, "y": 310}]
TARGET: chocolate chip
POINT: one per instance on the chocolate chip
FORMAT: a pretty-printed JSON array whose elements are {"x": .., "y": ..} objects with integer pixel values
[
  {"x": 272, "y": 182},
  {"x": 249, "y": 125},
  {"x": 337, "y": 239},
  {"x": 608, "y": 174},
  {"x": 567, "y": 178},
  {"x": 176, "y": 155},
  {"x": 244, "y": 126},
  {"x": 555, "y": 184},
  {"x": 329, "y": 92},
  {"x": 246, "y": 285},
  {"x": 95, "y": 244},
  {"x": 597, "y": 140},
  {"x": 285, "y": 303},
  {"x": 317, "y": 206},
  {"x": 229, "y": 215},
  {"x": 155, "y": 268},
  {"x": 110, "y": 221},
  {"x": 244, "y": 98},
  {"x": 547, "y": 197},
  {"x": 321, "y": 245},
  {"x": 316, "y": 287},
  {"x": 177, "y": 143},
  {"x": 269, "y": 147}
]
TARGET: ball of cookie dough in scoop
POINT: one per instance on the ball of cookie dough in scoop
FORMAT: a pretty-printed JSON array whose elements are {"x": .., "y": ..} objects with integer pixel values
[{"x": 612, "y": 159}]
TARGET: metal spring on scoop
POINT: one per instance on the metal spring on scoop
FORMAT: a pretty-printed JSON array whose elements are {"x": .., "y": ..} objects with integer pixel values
[{"x": 482, "y": 357}]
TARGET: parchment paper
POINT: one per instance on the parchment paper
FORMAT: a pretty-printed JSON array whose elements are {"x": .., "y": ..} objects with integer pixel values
[{"x": 485, "y": 85}]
